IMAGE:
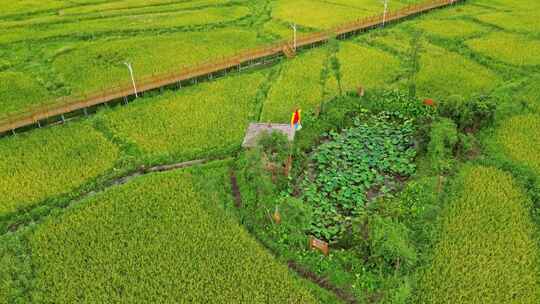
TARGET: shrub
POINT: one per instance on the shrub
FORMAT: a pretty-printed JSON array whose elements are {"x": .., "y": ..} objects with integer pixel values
[
  {"x": 443, "y": 138},
  {"x": 253, "y": 169},
  {"x": 399, "y": 102},
  {"x": 390, "y": 243},
  {"x": 275, "y": 145},
  {"x": 413, "y": 61},
  {"x": 469, "y": 114}
]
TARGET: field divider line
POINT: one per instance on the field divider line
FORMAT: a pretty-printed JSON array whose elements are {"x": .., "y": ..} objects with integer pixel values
[{"x": 70, "y": 104}]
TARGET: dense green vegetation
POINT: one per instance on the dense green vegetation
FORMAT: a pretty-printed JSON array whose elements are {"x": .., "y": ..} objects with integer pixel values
[
  {"x": 394, "y": 237},
  {"x": 360, "y": 162}
]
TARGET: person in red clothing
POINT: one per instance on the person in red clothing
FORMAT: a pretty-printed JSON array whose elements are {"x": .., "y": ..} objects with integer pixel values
[{"x": 296, "y": 120}]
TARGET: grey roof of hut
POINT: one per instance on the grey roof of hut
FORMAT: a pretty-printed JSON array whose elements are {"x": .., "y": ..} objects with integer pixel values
[{"x": 256, "y": 129}]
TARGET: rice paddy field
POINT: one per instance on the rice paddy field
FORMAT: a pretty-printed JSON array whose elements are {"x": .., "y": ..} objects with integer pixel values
[
  {"x": 53, "y": 162},
  {"x": 299, "y": 84},
  {"x": 192, "y": 124},
  {"x": 132, "y": 226},
  {"x": 85, "y": 218},
  {"x": 486, "y": 224}
]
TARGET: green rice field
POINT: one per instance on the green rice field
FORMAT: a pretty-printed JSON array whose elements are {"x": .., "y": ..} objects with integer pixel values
[
  {"x": 113, "y": 246},
  {"x": 487, "y": 250},
  {"x": 437, "y": 203}
]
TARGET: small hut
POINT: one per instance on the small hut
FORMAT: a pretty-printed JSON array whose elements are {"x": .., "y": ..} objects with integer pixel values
[{"x": 256, "y": 129}]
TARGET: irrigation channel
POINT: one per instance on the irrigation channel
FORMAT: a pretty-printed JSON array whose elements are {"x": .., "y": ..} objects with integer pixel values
[{"x": 78, "y": 105}]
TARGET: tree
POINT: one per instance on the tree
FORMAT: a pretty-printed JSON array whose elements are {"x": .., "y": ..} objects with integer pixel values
[{"x": 414, "y": 61}]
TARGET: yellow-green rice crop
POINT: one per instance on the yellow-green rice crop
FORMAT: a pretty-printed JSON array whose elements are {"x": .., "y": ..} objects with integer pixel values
[
  {"x": 19, "y": 91},
  {"x": 22, "y": 7},
  {"x": 192, "y": 122},
  {"x": 50, "y": 162},
  {"x": 518, "y": 139},
  {"x": 367, "y": 67},
  {"x": 97, "y": 26},
  {"x": 298, "y": 85},
  {"x": 443, "y": 73},
  {"x": 113, "y": 8},
  {"x": 530, "y": 94},
  {"x": 14, "y": 265},
  {"x": 487, "y": 252},
  {"x": 158, "y": 239},
  {"x": 525, "y": 21},
  {"x": 83, "y": 67},
  {"x": 459, "y": 11},
  {"x": 511, "y": 6},
  {"x": 277, "y": 29},
  {"x": 510, "y": 48},
  {"x": 149, "y": 55},
  {"x": 315, "y": 14},
  {"x": 372, "y": 6},
  {"x": 327, "y": 14},
  {"x": 449, "y": 28},
  {"x": 394, "y": 38}
]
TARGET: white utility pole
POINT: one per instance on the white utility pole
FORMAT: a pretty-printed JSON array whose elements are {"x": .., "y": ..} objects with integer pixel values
[
  {"x": 385, "y": 11},
  {"x": 294, "y": 36},
  {"x": 130, "y": 68}
]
